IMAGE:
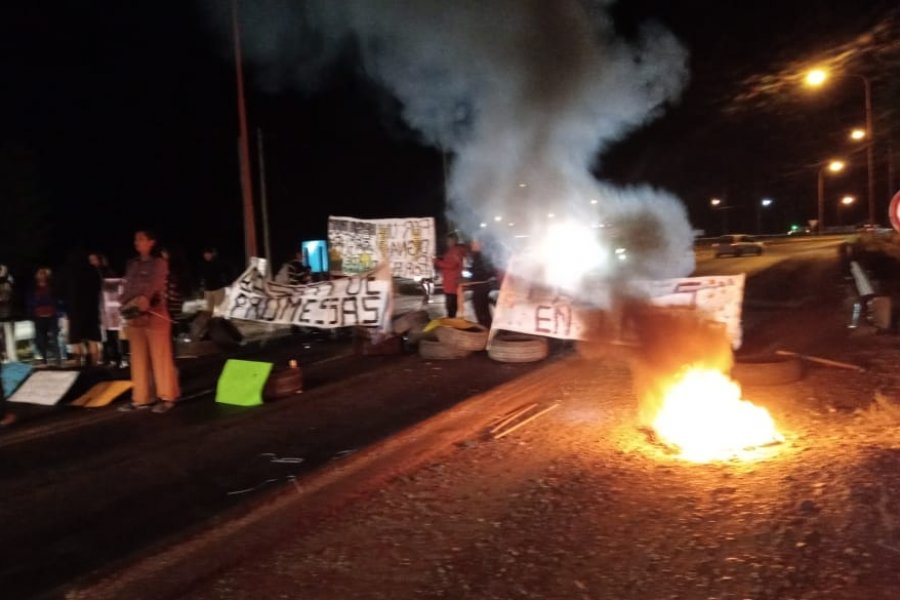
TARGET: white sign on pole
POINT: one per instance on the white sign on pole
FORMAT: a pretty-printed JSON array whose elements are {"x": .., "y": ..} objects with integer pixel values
[
  {"x": 359, "y": 245},
  {"x": 45, "y": 387},
  {"x": 526, "y": 307},
  {"x": 360, "y": 300}
]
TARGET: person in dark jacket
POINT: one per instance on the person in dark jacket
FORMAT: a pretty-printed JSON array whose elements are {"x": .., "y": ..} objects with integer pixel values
[
  {"x": 80, "y": 292},
  {"x": 483, "y": 279},
  {"x": 213, "y": 278},
  {"x": 43, "y": 310}
]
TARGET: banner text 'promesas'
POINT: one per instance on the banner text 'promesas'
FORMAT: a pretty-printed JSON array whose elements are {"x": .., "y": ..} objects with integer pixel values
[{"x": 358, "y": 302}]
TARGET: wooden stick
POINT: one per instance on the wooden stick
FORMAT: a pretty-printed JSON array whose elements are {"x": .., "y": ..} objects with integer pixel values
[
  {"x": 511, "y": 417},
  {"x": 823, "y": 361},
  {"x": 531, "y": 418}
]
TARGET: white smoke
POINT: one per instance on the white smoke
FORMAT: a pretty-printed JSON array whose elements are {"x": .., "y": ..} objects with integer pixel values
[{"x": 524, "y": 94}]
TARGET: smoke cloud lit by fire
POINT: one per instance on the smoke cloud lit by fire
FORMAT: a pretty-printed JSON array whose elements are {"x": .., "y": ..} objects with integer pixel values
[{"x": 523, "y": 96}]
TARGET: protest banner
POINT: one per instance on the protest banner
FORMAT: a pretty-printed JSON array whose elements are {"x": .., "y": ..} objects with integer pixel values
[
  {"x": 359, "y": 245},
  {"x": 359, "y": 300},
  {"x": 110, "y": 318},
  {"x": 527, "y": 307}
]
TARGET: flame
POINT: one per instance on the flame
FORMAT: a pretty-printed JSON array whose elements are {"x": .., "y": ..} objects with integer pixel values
[{"x": 703, "y": 415}]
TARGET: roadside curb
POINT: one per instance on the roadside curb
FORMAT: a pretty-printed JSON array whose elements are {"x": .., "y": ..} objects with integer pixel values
[{"x": 182, "y": 563}]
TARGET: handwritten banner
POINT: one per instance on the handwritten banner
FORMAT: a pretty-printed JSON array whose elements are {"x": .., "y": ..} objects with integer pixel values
[
  {"x": 360, "y": 300},
  {"x": 359, "y": 245},
  {"x": 526, "y": 307}
]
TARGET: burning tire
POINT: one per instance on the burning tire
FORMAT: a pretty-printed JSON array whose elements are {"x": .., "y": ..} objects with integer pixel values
[
  {"x": 436, "y": 350},
  {"x": 473, "y": 337},
  {"x": 767, "y": 370},
  {"x": 518, "y": 348}
]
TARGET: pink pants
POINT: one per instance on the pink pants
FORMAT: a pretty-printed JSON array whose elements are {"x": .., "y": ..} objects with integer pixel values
[{"x": 152, "y": 364}]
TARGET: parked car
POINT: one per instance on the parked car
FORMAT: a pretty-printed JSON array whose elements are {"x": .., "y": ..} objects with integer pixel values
[{"x": 737, "y": 245}]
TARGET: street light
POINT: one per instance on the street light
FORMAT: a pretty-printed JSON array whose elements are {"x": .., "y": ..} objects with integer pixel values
[
  {"x": 816, "y": 78},
  {"x": 834, "y": 166},
  {"x": 858, "y": 134},
  {"x": 717, "y": 205},
  {"x": 846, "y": 201},
  {"x": 764, "y": 203}
]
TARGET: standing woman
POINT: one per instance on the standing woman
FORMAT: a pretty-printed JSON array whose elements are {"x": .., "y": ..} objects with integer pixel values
[{"x": 148, "y": 324}]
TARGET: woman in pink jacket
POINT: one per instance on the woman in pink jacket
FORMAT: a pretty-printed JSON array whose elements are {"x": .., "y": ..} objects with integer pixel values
[{"x": 451, "y": 266}]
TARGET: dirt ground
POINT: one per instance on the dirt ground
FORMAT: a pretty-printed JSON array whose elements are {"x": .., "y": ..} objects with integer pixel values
[{"x": 578, "y": 504}]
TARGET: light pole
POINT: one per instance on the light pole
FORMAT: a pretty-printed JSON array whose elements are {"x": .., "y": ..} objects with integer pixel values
[
  {"x": 243, "y": 142},
  {"x": 834, "y": 166},
  {"x": 816, "y": 78}
]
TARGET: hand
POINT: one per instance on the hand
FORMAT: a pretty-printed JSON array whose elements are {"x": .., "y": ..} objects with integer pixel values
[{"x": 142, "y": 303}]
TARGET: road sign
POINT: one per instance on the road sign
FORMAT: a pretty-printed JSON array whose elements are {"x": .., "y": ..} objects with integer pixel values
[{"x": 894, "y": 211}]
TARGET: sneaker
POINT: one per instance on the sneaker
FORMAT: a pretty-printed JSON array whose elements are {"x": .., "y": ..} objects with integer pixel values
[
  {"x": 163, "y": 407},
  {"x": 131, "y": 407}
]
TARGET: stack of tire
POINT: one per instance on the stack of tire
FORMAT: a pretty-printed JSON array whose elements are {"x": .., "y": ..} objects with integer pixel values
[{"x": 448, "y": 339}]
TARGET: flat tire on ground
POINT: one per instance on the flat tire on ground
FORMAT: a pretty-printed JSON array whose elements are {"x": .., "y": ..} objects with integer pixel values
[
  {"x": 767, "y": 370},
  {"x": 436, "y": 350},
  {"x": 473, "y": 338},
  {"x": 518, "y": 348}
]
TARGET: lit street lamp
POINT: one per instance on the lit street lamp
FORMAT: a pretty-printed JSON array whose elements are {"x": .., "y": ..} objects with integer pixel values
[
  {"x": 717, "y": 205},
  {"x": 834, "y": 166},
  {"x": 858, "y": 134},
  {"x": 846, "y": 201},
  {"x": 764, "y": 203},
  {"x": 816, "y": 78}
]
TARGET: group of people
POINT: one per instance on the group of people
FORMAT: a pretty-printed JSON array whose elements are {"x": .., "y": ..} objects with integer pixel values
[
  {"x": 482, "y": 280},
  {"x": 154, "y": 288}
]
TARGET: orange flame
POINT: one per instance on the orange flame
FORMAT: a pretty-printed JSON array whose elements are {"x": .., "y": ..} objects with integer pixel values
[{"x": 703, "y": 415}]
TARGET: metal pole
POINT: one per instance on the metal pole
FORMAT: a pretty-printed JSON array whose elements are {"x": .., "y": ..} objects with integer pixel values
[
  {"x": 870, "y": 150},
  {"x": 263, "y": 197},
  {"x": 244, "y": 141},
  {"x": 821, "y": 223}
]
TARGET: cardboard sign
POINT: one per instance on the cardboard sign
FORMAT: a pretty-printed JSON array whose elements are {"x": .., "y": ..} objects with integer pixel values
[
  {"x": 45, "y": 387},
  {"x": 241, "y": 382},
  {"x": 102, "y": 394},
  {"x": 528, "y": 307},
  {"x": 360, "y": 300},
  {"x": 407, "y": 246}
]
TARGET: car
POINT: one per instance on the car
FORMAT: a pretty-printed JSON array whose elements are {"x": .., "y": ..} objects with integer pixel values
[{"x": 737, "y": 245}]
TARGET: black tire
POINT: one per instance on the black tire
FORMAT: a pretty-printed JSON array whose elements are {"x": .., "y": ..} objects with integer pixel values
[
  {"x": 472, "y": 339},
  {"x": 518, "y": 348},
  {"x": 767, "y": 370},
  {"x": 434, "y": 350}
]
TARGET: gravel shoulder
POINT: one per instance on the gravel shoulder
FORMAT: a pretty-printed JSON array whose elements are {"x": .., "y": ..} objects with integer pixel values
[{"x": 578, "y": 504}]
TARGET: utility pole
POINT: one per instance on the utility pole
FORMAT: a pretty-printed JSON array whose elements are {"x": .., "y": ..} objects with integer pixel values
[
  {"x": 243, "y": 143},
  {"x": 263, "y": 198}
]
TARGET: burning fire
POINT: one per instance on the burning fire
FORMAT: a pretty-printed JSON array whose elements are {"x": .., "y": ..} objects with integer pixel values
[{"x": 703, "y": 415}]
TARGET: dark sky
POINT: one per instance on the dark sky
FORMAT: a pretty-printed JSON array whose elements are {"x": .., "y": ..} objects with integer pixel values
[{"x": 122, "y": 114}]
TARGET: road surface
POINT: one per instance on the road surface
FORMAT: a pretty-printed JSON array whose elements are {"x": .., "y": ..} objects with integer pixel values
[{"x": 89, "y": 493}]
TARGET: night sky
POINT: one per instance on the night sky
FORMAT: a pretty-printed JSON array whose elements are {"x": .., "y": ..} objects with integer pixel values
[{"x": 119, "y": 115}]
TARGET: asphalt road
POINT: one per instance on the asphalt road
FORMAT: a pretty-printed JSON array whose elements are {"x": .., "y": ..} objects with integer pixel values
[{"x": 85, "y": 492}]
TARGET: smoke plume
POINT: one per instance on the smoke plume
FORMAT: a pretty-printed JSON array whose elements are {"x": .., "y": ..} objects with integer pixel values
[{"x": 524, "y": 95}]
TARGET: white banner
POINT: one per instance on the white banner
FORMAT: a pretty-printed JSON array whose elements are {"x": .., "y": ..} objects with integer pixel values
[
  {"x": 360, "y": 300},
  {"x": 359, "y": 245},
  {"x": 530, "y": 308}
]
